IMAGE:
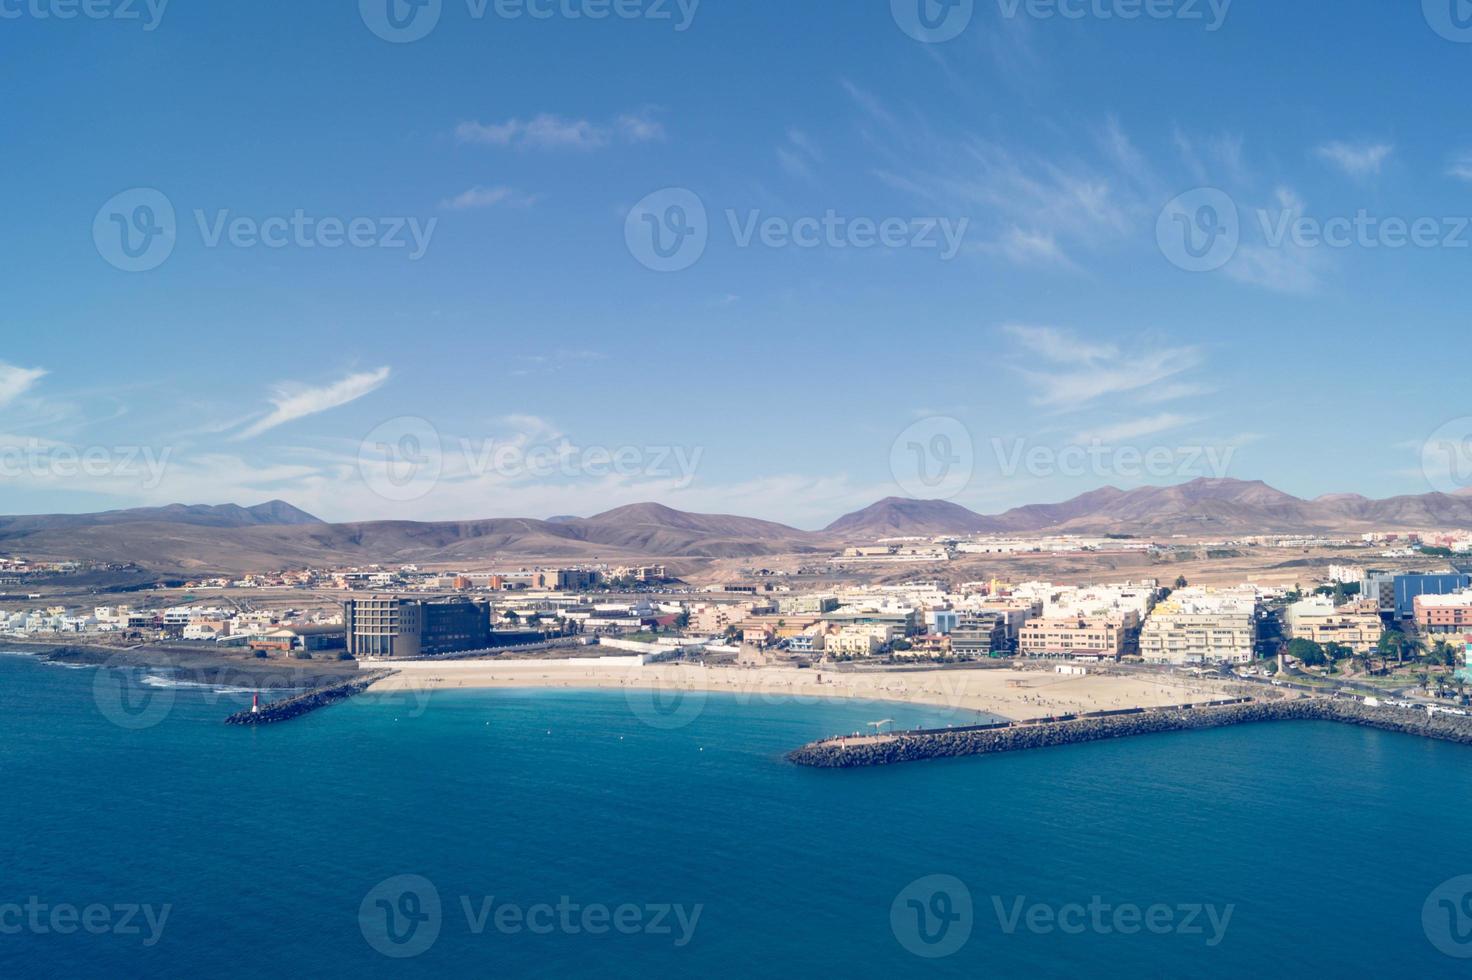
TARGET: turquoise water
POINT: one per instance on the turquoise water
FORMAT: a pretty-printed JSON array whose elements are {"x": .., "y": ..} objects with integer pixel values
[{"x": 271, "y": 848}]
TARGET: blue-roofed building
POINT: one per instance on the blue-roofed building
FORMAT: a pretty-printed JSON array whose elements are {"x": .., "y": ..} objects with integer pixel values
[{"x": 1407, "y": 587}]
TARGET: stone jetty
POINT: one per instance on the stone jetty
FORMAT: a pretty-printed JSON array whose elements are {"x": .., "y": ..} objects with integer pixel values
[
  {"x": 887, "y": 749},
  {"x": 301, "y": 704}
]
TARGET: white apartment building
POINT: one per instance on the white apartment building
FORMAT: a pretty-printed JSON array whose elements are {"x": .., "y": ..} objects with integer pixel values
[
  {"x": 1126, "y": 604},
  {"x": 1355, "y": 625},
  {"x": 1202, "y": 625}
]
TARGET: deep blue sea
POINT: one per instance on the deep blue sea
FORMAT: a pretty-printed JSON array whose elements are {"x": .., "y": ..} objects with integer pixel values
[{"x": 560, "y": 833}]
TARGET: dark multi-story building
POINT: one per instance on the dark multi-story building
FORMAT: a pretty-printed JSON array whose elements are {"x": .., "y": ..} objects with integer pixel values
[
  {"x": 396, "y": 627},
  {"x": 980, "y": 635}
]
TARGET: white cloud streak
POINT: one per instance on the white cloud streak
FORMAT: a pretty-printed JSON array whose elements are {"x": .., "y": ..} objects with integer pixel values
[
  {"x": 16, "y": 381},
  {"x": 1356, "y": 159},
  {"x": 294, "y": 401},
  {"x": 551, "y": 132}
]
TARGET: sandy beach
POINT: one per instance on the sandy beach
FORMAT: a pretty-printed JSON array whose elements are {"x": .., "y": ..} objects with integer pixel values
[{"x": 1012, "y": 694}]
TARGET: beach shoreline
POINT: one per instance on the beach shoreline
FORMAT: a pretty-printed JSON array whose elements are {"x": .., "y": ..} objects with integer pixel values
[{"x": 1006, "y": 693}]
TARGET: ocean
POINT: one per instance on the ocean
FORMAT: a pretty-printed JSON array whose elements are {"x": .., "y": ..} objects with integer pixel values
[{"x": 580, "y": 833}]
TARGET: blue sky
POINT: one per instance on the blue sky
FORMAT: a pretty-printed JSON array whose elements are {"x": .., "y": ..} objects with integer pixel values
[{"x": 761, "y": 377}]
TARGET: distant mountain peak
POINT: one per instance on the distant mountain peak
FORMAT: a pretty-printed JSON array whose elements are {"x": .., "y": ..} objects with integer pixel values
[{"x": 899, "y": 516}]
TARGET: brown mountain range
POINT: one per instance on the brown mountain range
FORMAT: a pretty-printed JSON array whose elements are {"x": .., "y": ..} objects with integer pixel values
[{"x": 273, "y": 535}]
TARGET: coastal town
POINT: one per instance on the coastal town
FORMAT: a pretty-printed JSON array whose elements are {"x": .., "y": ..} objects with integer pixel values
[{"x": 1381, "y": 612}]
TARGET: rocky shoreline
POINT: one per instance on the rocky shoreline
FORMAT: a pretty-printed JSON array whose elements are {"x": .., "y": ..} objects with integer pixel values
[
  {"x": 198, "y": 664},
  {"x": 846, "y": 753},
  {"x": 294, "y": 707}
]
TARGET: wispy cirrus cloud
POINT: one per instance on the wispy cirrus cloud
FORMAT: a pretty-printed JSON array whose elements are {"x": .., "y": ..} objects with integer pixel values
[
  {"x": 294, "y": 401},
  {"x": 1059, "y": 346},
  {"x": 799, "y": 154},
  {"x": 546, "y": 363},
  {"x": 1283, "y": 266},
  {"x": 1356, "y": 159},
  {"x": 551, "y": 132},
  {"x": 487, "y": 197},
  {"x": 16, "y": 381},
  {"x": 1461, "y": 167},
  {"x": 1043, "y": 208},
  {"x": 1136, "y": 428},
  {"x": 1068, "y": 372}
]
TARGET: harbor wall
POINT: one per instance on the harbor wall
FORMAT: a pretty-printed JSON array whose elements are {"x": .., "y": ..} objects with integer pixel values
[
  {"x": 843, "y": 753},
  {"x": 294, "y": 707}
]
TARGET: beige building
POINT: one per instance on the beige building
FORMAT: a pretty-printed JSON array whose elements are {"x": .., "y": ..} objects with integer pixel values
[
  {"x": 1357, "y": 626},
  {"x": 1062, "y": 638},
  {"x": 1202, "y": 626},
  {"x": 714, "y": 617},
  {"x": 772, "y": 627},
  {"x": 857, "y": 641}
]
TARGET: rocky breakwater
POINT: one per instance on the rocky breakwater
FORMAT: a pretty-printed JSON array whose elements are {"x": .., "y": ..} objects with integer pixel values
[
  {"x": 301, "y": 704},
  {"x": 843, "y": 753}
]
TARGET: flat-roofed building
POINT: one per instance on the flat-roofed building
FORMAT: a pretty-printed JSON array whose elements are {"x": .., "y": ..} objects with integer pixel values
[
  {"x": 1444, "y": 613},
  {"x": 1060, "y": 638},
  {"x": 393, "y": 627},
  {"x": 1202, "y": 626},
  {"x": 980, "y": 635},
  {"x": 1409, "y": 587},
  {"x": 1357, "y": 625}
]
